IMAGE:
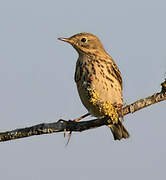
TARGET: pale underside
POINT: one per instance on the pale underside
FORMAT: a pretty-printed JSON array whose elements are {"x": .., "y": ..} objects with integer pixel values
[{"x": 99, "y": 90}]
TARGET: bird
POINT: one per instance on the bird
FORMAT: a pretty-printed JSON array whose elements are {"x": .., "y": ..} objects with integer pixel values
[{"x": 99, "y": 82}]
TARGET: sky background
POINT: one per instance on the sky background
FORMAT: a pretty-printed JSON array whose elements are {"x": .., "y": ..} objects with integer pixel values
[{"x": 37, "y": 85}]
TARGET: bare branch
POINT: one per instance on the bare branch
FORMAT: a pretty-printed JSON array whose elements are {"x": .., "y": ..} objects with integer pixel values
[{"x": 61, "y": 125}]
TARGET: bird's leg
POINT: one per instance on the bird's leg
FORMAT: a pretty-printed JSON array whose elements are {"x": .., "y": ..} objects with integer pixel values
[
  {"x": 75, "y": 120},
  {"x": 78, "y": 119},
  {"x": 82, "y": 117}
]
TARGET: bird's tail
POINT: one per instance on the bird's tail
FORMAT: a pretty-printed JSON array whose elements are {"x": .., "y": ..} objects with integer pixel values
[{"x": 119, "y": 131}]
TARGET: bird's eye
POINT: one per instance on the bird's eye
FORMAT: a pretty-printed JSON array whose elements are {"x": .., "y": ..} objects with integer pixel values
[{"x": 83, "y": 39}]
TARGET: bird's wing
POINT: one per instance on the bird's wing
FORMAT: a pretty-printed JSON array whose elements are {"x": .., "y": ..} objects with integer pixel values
[
  {"x": 116, "y": 72},
  {"x": 113, "y": 68},
  {"x": 78, "y": 72}
]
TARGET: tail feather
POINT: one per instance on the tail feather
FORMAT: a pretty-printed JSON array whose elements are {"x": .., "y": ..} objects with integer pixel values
[{"x": 119, "y": 131}]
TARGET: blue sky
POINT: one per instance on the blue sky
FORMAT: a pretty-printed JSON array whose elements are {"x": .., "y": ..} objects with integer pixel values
[{"x": 37, "y": 85}]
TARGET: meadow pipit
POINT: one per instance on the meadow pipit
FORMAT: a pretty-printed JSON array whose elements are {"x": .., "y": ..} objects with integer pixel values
[{"x": 99, "y": 81}]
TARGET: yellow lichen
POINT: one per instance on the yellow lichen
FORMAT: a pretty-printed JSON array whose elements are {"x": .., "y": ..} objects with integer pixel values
[
  {"x": 109, "y": 121},
  {"x": 94, "y": 97},
  {"x": 110, "y": 125},
  {"x": 111, "y": 111},
  {"x": 106, "y": 108}
]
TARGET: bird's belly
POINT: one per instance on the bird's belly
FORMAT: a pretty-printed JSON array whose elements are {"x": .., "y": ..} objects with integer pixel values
[{"x": 97, "y": 94}]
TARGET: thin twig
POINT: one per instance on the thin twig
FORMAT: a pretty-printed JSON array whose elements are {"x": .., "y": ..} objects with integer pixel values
[{"x": 61, "y": 125}]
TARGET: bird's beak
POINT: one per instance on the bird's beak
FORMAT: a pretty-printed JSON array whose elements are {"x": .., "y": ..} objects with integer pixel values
[{"x": 65, "y": 40}]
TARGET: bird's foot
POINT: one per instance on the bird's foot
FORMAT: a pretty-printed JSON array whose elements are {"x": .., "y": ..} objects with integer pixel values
[{"x": 75, "y": 120}]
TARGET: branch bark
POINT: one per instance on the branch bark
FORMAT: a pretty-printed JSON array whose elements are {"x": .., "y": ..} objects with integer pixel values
[{"x": 69, "y": 125}]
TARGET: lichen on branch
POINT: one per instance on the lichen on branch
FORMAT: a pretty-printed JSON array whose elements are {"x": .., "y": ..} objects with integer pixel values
[{"x": 68, "y": 125}]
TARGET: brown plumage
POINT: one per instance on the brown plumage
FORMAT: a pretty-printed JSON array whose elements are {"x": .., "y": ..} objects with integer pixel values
[{"x": 99, "y": 81}]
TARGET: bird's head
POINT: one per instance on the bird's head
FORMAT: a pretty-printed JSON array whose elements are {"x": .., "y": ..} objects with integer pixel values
[{"x": 85, "y": 43}]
